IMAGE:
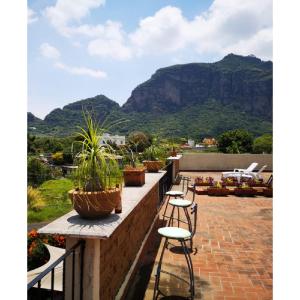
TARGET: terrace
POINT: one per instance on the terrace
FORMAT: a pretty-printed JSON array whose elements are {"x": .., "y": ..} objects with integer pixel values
[{"x": 233, "y": 259}]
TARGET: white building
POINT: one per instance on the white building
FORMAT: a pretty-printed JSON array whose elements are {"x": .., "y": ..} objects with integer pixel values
[
  {"x": 118, "y": 139},
  {"x": 191, "y": 143}
]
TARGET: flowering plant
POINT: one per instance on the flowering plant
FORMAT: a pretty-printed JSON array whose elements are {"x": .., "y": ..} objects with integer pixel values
[
  {"x": 207, "y": 181},
  {"x": 37, "y": 252},
  {"x": 218, "y": 185}
]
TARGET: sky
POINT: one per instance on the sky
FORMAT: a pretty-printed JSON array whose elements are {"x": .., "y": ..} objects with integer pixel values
[{"x": 82, "y": 48}]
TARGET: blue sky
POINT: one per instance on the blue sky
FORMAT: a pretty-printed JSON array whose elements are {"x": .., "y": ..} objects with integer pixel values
[{"x": 82, "y": 48}]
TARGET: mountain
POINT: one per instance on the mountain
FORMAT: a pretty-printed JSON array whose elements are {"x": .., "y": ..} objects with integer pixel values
[
  {"x": 235, "y": 80},
  {"x": 195, "y": 99}
]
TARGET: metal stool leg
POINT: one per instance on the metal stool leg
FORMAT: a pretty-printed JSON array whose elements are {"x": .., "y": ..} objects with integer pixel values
[
  {"x": 171, "y": 219},
  {"x": 189, "y": 224},
  {"x": 166, "y": 208},
  {"x": 178, "y": 215},
  {"x": 190, "y": 268},
  {"x": 156, "y": 285}
]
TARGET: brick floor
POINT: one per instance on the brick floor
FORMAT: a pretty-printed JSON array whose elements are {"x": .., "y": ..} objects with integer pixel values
[{"x": 234, "y": 250}]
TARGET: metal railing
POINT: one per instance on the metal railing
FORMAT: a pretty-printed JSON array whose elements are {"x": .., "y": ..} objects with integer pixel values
[
  {"x": 165, "y": 182},
  {"x": 36, "y": 293}
]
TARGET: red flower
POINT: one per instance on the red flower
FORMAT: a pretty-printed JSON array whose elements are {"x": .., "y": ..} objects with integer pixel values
[{"x": 33, "y": 234}]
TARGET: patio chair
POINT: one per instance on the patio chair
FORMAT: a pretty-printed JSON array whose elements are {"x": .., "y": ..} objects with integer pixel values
[
  {"x": 240, "y": 171},
  {"x": 256, "y": 175},
  {"x": 181, "y": 235}
]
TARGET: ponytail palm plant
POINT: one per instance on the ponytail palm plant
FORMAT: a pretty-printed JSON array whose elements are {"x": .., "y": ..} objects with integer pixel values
[{"x": 98, "y": 169}]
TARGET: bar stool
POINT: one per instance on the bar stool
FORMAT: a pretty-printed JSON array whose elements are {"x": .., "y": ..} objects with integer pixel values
[
  {"x": 181, "y": 235},
  {"x": 177, "y": 193},
  {"x": 182, "y": 204}
]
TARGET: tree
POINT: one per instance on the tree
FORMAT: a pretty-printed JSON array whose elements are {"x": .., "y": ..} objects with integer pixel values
[
  {"x": 235, "y": 141},
  {"x": 263, "y": 144},
  {"x": 31, "y": 146},
  {"x": 37, "y": 172},
  {"x": 139, "y": 141}
]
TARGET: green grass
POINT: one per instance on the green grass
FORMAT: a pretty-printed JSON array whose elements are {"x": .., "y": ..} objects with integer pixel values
[{"x": 55, "y": 193}]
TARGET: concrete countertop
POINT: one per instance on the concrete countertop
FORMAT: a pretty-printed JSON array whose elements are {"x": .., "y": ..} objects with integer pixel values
[{"x": 71, "y": 224}]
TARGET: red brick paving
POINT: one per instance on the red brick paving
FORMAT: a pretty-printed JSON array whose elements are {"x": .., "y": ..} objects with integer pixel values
[{"x": 234, "y": 251}]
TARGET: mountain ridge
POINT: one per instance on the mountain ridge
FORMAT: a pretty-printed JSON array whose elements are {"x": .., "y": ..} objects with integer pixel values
[{"x": 236, "y": 86}]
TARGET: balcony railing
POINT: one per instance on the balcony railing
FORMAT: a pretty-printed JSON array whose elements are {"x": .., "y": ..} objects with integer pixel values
[{"x": 35, "y": 291}]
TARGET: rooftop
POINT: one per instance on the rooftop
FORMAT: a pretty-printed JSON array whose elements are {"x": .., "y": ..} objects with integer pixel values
[{"x": 234, "y": 251}]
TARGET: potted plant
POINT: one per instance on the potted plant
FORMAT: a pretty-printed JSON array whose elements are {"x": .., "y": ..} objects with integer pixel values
[
  {"x": 256, "y": 183},
  {"x": 133, "y": 175},
  {"x": 229, "y": 181},
  {"x": 217, "y": 190},
  {"x": 153, "y": 155},
  {"x": 97, "y": 177},
  {"x": 208, "y": 181},
  {"x": 244, "y": 190}
]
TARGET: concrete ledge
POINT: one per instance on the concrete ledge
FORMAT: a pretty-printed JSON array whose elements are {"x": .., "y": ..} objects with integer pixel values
[{"x": 73, "y": 225}]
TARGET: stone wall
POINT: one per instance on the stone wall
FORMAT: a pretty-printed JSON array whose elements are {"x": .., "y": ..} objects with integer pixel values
[{"x": 223, "y": 162}]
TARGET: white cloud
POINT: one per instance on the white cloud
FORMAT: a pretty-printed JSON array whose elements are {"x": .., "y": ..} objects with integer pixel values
[
  {"x": 225, "y": 24},
  {"x": 65, "y": 11},
  {"x": 163, "y": 32},
  {"x": 49, "y": 51},
  {"x": 109, "y": 41},
  {"x": 81, "y": 71},
  {"x": 109, "y": 48},
  {"x": 239, "y": 26},
  {"x": 260, "y": 44},
  {"x": 31, "y": 16}
]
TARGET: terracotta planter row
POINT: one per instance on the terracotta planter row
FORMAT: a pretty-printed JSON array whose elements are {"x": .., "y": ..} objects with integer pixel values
[{"x": 241, "y": 192}]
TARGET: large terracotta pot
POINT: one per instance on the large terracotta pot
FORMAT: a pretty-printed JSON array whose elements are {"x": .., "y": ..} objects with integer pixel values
[
  {"x": 134, "y": 176},
  {"x": 153, "y": 166},
  {"x": 92, "y": 205}
]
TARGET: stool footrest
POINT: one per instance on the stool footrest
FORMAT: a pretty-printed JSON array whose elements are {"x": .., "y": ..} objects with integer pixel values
[{"x": 182, "y": 221}]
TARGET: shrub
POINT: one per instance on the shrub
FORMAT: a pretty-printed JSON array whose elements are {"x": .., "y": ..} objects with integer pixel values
[
  {"x": 235, "y": 141},
  {"x": 139, "y": 141},
  {"x": 155, "y": 153},
  {"x": 35, "y": 201},
  {"x": 68, "y": 158},
  {"x": 37, "y": 252},
  {"x": 263, "y": 144},
  {"x": 37, "y": 171},
  {"x": 58, "y": 158}
]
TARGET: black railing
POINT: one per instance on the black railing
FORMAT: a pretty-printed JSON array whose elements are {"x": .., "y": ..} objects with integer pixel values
[
  {"x": 38, "y": 292},
  {"x": 165, "y": 182}
]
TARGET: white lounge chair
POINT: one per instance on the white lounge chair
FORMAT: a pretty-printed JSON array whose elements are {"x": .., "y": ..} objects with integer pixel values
[
  {"x": 240, "y": 171},
  {"x": 256, "y": 175}
]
